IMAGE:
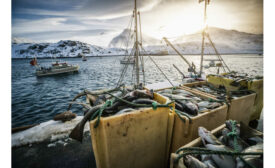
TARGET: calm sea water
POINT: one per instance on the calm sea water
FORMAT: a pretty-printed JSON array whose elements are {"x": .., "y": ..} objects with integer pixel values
[{"x": 35, "y": 100}]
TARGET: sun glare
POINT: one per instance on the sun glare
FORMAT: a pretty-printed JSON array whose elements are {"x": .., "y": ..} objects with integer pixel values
[{"x": 178, "y": 21}]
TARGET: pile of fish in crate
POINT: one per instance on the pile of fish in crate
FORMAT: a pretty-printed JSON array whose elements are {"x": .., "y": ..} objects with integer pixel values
[
  {"x": 187, "y": 102},
  {"x": 241, "y": 102},
  {"x": 231, "y": 145}
]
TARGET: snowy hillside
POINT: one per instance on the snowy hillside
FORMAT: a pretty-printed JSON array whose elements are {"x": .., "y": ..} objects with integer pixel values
[
  {"x": 120, "y": 41},
  {"x": 226, "y": 41},
  {"x": 62, "y": 48}
]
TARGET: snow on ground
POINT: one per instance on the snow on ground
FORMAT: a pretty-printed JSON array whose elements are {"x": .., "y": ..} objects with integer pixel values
[{"x": 54, "y": 131}]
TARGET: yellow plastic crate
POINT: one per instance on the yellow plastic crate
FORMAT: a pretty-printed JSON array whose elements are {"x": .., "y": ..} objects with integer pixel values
[
  {"x": 198, "y": 142},
  {"x": 138, "y": 139},
  {"x": 240, "y": 109},
  {"x": 184, "y": 133},
  {"x": 255, "y": 85}
]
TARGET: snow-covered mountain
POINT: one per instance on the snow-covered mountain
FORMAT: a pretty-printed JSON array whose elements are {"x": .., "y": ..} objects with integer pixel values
[
  {"x": 127, "y": 35},
  {"x": 62, "y": 48},
  {"x": 226, "y": 41}
]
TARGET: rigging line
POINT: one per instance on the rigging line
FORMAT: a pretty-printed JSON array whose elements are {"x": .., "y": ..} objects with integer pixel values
[
  {"x": 218, "y": 59},
  {"x": 130, "y": 30},
  {"x": 159, "y": 68},
  {"x": 213, "y": 45},
  {"x": 129, "y": 25},
  {"x": 126, "y": 66},
  {"x": 127, "y": 41},
  {"x": 124, "y": 71},
  {"x": 210, "y": 53}
]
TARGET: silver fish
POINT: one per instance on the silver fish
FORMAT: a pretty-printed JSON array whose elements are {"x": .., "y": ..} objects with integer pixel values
[
  {"x": 192, "y": 162},
  {"x": 176, "y": 97},
  {"x": 255, "y": 140},
  {"x": 255, "y": 160},
  {"x": 208, "y": 137},
  {"x": 223, "y": 161},
  {"x": 203, "y": 103},
  {"x": 126, "y": 110},
  {"x": 207, "y": 159},
  {"x": 182, "y": 92}
]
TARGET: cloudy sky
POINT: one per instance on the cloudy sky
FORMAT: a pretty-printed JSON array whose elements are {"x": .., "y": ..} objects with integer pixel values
[{"x": 98, "y": 21}]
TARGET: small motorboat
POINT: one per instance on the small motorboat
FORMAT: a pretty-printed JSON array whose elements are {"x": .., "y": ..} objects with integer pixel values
[
  {"x": 127, "y": 61},
  {"x": 84, "y": 58}
]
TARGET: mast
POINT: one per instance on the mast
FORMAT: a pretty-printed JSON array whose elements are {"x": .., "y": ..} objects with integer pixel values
[
  {"x": 136, "y": 46},
  {"x": 203, "y": 35}
]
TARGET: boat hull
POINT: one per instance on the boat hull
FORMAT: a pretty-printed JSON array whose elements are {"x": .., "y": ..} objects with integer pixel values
[
  {"x": 127, "y": 62},
  {"x": 40, "y": 73}
]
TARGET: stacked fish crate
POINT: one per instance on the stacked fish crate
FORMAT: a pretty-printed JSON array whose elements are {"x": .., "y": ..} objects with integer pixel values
[
  {"x": 235, "y": 81},
  {"x": 246, "y": 151},
  {"x": 240, "y": 102},
  {"x": 193, "y": 111}
]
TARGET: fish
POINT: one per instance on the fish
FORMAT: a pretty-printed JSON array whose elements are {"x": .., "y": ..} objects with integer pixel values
[
  {"x": 224, "y": 161},
  {"x": 176, "y": 97},
  {"x": 188, "y": 107},
  {"x": 65, "y": 116},
  {"x": 207, "y": 159},
  {"x": 208, "y": 137},
  {"x": 126, "y": 110},
  {"x": 178, "y": 106},
  {"x": 213, "y": 105},
  {"x": 182, "y": 92},
  {"x": 254, "y": 140},
  {"x": 254, "y": 160},
  {"x": 77, "y": 132},
  {"x": 192, "y": 162},
  {"x": 204, "y": 104}
]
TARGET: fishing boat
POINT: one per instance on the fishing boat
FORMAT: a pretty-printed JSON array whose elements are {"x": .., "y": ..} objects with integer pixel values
[
  {"x": 127, "y": 61},
  {"x": 56, "y": 68},
  {"x": 84, "y": 57}
]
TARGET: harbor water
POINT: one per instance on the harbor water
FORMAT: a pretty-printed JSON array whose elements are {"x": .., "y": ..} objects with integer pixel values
[{"x": 39, "y": 99}]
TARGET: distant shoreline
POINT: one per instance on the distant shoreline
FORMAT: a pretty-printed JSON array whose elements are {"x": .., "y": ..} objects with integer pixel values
[{"x": 259, "y": 54}]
